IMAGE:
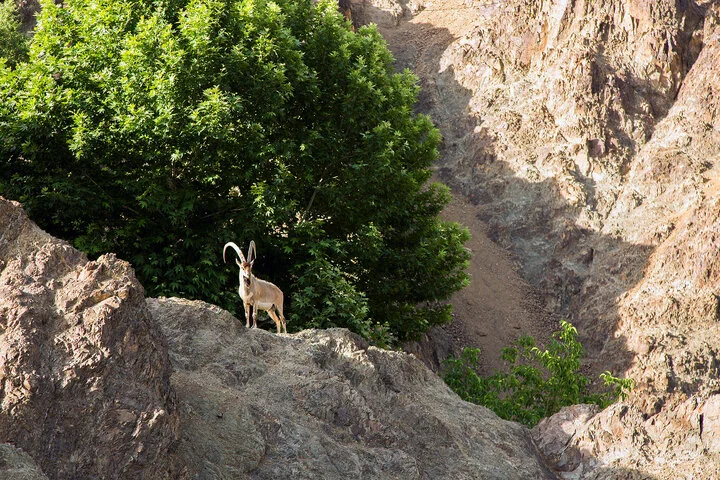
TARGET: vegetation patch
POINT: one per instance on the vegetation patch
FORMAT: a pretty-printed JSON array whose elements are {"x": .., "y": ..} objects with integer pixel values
[{"x": 537, "y": 384}]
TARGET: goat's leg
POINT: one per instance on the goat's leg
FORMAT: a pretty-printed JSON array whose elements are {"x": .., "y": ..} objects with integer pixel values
[
  {"x": 255, "y": 310},
  {"x": 282, "y": 320},
  {"x": 275, "y": 318},
  {"x": 247, "y": 315},
  {"x": 279, "y": 308}
]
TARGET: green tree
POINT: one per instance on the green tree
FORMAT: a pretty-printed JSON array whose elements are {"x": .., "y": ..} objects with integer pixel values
[
  {"x": 538, "y": 382},
  {"x": 13, "y": 43},
  {"x": 161, "y": 129}
]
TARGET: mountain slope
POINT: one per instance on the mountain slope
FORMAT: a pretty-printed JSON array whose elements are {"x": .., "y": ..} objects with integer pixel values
[{"x": 587, "y": 137}]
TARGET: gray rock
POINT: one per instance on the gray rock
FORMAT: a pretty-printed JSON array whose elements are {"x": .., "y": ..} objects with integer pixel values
[
  {"x": 18, "y": 465},
  {"x": 554, "y": 436},
  {"x": 323, "y": 404}
]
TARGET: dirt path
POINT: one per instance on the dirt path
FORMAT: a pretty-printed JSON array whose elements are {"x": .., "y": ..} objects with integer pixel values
[
  {"x": 495, "y": 309},
  {"x": 498, "y": 305}
]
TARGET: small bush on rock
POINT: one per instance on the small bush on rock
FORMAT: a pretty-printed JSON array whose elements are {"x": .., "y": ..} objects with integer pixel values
[{"x": 538, "y": 382}]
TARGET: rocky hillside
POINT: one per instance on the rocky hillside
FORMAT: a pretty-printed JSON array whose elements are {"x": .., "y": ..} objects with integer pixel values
[
  {"x": 587, "y": 136},
  {"x": 98, "y": 382}
]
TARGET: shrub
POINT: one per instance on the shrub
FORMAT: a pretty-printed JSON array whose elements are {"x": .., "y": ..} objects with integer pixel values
[{"x": 538, "y": 382}]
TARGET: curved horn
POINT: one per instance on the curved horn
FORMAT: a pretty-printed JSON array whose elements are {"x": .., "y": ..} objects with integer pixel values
[
  {"x": 251, "y": 252},
  {"x": 237, "y": 250}
]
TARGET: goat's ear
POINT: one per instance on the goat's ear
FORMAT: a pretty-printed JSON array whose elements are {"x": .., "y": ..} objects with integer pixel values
[{"x": 251, "y": 262}]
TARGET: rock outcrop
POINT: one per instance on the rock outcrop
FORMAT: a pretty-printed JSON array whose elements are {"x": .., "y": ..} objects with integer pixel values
[
  {"x": 98, "y": 382},
  {"x": 84, "y": 374},
  {"x": 588, "y": 136},
  {"x": 323, "y": 404}
]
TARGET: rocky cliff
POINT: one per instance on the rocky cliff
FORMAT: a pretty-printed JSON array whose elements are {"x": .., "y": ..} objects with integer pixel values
[
  {"x": 98, "y": 382},
  {"x": 587, "y": 134}
]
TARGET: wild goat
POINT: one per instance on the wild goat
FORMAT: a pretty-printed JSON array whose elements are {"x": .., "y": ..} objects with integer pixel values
[{"x": 256, "y": 293}]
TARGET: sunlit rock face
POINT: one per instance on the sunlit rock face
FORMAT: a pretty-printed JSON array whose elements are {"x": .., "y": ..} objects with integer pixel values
[
  {"x": 323, "y": 404},
  {"x": 587, "y": 134}
]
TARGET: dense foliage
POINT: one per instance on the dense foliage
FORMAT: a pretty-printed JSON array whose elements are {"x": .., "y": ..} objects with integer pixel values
[
  {"x": 160, "y": 129},
  {"x": 538, "y": 382},
  {"x": 13, "y": 43}
]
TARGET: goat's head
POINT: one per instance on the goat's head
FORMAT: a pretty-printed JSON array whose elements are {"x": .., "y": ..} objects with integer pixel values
[
  {"x": 244, "y": 264},
  {"x": 245, "y": 271}
]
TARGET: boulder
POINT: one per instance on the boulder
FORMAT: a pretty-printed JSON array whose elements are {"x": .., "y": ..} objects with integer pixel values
[
  {"x": 323, "y": 404},
  {"x": 84, "y": 373}
]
